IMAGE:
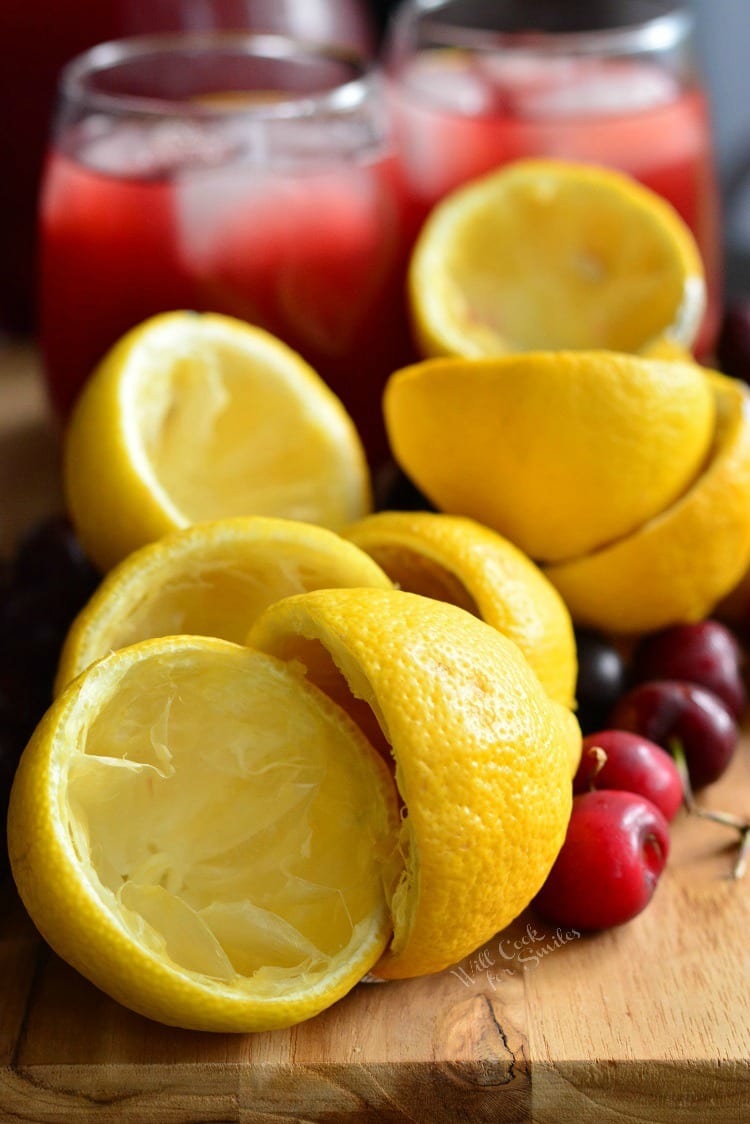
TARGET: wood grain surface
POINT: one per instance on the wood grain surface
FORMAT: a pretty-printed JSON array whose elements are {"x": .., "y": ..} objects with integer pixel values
[{"x": 646, "y": 1023}]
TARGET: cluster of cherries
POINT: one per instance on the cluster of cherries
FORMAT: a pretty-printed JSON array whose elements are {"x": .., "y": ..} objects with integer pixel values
[
  {"x": 655, "y": 732},
  {"x": 41, "y": 589}
]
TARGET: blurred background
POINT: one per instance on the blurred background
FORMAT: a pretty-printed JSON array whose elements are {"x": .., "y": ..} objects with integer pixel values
[{"x": 723, "y": 38}]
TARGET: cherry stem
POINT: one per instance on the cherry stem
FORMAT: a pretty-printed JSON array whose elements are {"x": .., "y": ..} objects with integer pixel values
[
  {"x": 599, "y": 758},
  {"x": 740, "y": 867},
  {"x": 678, "y": 753},
  {"x": 725, "y": 819}
]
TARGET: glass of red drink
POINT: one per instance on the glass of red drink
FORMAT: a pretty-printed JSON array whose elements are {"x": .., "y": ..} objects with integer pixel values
[
  {"x": 245, "y": 174},
  {"x": 37, "y": 39},
  {"x": 477, "y": 83}
]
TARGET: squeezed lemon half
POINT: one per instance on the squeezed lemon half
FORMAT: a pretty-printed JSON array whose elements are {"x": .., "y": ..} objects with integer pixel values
[
  {"x": 210, "y": 579},
  {"x": 198, "y": 417},
  {"x": 546, "y": 255},
  {"x": 482, "y": 756},
  {"x": 206, "y": 836}
]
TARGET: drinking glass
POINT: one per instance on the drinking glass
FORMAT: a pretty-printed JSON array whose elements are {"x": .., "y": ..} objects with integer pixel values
[
  {"x": 245, "y": 174},
  {"x": 37, "y": 38},
  {"x": 477, "y": 83}
]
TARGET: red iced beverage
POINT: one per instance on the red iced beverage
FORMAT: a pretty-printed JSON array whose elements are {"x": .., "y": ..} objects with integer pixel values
[
  {"x": 271, "y": 195},
  {"x": 38, "y": 39}
]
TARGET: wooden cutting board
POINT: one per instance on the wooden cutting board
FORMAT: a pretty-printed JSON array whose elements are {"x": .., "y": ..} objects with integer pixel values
[{"x": 646, "y": 1023}]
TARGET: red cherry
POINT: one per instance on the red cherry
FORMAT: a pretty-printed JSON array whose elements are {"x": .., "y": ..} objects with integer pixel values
[
  {"x": 706, "y": 653},
  {"x": 667, "y": 711},
  {"x": 632, "y": 764},
  {"x": 614, "y": 852}
]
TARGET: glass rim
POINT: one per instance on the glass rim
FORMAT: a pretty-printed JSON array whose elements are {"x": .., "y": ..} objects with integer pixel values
[
  {"x": 665, "y": 29},
  {"x": 75, "y": 80}
]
